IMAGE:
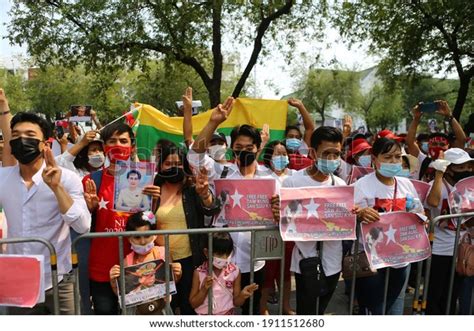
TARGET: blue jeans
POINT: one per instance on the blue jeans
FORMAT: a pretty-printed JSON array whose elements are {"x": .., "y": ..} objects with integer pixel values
[
  {"x": 399, "y": 304},
  {"x": 370, "y": 290}
]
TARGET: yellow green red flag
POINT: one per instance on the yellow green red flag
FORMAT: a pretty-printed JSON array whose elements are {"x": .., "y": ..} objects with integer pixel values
[{"x": 152, "y": 125}]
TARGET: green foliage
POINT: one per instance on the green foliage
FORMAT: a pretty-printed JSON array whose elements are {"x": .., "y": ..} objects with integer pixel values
[
  {"x": 414, "y": 36},
  {"x": 319, "y": 89},
  {"x": 125, "y": 34},
  {"x": 15, "y": 88}
]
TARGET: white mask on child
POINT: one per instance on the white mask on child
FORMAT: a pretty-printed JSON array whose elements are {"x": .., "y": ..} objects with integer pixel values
[
  {"x": 143, "y": 249},
  {"x": 220, "y": 263}
]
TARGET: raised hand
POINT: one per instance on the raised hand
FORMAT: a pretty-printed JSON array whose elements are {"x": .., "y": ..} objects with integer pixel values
[
  {"x": 90, "y": 195},
  {"x": 295, "y": 103},
  {"x": 202, "y": 184},
  {"x": 51, "y": 173},
  {"x": 443, "y": 108},
  {"x": 188, "y": 100},
  {"x": 88, "y": 137},
  {"x": 265, "y": 134},
  {"x": 416, "y": 112},
  {"x": 222, "y": 111},
  {"x": 3, "y": 102}
]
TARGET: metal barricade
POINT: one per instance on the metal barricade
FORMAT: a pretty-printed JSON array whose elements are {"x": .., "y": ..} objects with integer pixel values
[
  {"x": 53, "y": 259},
  {"x": 455, "y": 254},
  {"x": 166, "y": 234}
]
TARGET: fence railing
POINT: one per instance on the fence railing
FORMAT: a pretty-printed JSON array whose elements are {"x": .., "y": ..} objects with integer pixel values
[
  {"x": 167, "y": 234},
  {"x": 419, "y": 306}
]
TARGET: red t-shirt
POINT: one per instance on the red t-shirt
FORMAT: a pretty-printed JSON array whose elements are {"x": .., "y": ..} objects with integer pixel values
[
  {"x": 104, "y": 253},
  {"x": 298, "y": 161}
]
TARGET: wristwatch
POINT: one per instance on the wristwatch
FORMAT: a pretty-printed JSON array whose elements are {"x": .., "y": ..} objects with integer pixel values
[
  {"x": 449, "y": 118},
  {"x": 4, "y": 112}
]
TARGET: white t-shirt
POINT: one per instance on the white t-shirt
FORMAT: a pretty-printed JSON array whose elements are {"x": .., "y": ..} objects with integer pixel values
[
  {"x": 421, "y": 158},
  {"x": 371, "y": 192},
  {"x": 344, "y": 171},
  {"x": 443, "y": 242},
  {"x": 241, "y": 253},
  {"x": 331, "y": 250}
]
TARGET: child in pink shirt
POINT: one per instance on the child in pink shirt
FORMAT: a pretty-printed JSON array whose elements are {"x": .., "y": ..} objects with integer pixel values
[{"x": 225, "y": 281}]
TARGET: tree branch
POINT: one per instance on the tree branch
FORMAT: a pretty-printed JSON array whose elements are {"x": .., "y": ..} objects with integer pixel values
[{"x": 257, "y": 46}]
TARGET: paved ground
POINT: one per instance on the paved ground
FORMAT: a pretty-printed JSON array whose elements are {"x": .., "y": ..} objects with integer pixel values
[{"x": 339, "y": 304}]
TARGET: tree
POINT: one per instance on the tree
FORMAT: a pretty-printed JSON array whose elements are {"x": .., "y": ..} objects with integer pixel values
[
  {"x": 415, "y": 36},
  {"x": 127, "y": 33},
  {"x": 319, "y": 89},
  {"x": 15, "y": 89}
]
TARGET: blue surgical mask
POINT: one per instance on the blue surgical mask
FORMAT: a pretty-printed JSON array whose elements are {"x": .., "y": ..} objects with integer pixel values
[
  {"x": 280, "y": 162},
  {"x": 293, "y": 144},
  {"x": 424, "y": 147},
  {"x": 328, "y": 166},
  {"x": 404, "y": 173},
  {"x": 390, "y": 170},
  {"x": 365, "y": 161}
]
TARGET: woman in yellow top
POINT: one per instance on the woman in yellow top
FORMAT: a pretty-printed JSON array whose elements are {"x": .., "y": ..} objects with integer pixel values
[{"x": 182, "y": 205}]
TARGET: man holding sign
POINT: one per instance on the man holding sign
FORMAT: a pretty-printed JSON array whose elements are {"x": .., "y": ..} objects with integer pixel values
[
  {"x": 245, "y": 143},
  {"x": 326, "y": 145}
]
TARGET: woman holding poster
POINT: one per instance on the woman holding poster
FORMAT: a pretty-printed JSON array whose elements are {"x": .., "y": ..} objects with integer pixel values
[
  {"x": 375, "y": 193},
  {"x": 182, "y": 206}
]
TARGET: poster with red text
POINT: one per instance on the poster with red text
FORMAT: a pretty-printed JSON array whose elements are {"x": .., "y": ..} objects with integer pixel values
[
  {"x": 245, "y": 202},
  {"x": 358, "y": 172},
  {"x": 317, "y": 213},
  {"x": 21, "y": 280},
  {"x": 397, "y": 238}
]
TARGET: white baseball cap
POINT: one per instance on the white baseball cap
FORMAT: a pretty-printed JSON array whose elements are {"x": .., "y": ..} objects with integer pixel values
[{"x": 457, "y": 156}]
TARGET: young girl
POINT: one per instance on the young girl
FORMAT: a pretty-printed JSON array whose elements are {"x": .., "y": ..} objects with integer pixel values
[
  {"x": 143, "y": 250},
  {"x": 225, "y": 280}
]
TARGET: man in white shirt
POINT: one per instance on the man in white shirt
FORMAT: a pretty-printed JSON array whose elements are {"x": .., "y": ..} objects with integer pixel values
[
  {"x": 245, "y": 143},
  {"x": 42, "y": 200},
  {"x": 326, "y": 145}
]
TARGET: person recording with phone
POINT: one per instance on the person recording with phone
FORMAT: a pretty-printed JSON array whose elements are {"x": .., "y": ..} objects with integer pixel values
[{"x": 437, "y": 141}]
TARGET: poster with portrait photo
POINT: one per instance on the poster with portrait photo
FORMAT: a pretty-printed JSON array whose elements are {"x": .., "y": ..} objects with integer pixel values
[
  {"x": 80, "y": 113},
  {"x": 146, "y": 282},
  {"x": 130, "y": 180}
]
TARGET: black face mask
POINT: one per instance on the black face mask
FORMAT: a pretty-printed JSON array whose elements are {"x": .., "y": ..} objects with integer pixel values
[
  {"x": 172, "y": 175},
  {"x": 25, "y": 150},
  {"x": 458, "y": 176},
  {"x": 246, "y": 158}
]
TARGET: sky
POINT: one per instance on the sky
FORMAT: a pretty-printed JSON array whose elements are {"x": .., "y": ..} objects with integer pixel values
[{"x": 274, "y": 77}]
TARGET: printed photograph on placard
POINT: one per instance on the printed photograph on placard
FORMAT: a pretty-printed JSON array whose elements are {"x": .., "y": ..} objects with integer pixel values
[
  {"x": 317, "y": 213},
  {"x": 80, "y": 113},
  {"x": 130, "y": 180},
  {"x": 146, "y": 282},
  {"x": 397, "y": 238}
]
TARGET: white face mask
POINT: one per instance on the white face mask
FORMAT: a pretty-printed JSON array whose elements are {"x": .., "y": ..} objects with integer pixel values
[
  {"x": 220, "y": 263},
  {"x": 217, "y": 152},
  {"x": 365, "y": 161},
  {"x": 143, "y": 249},
  {"x": 97, "y": 160}
]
